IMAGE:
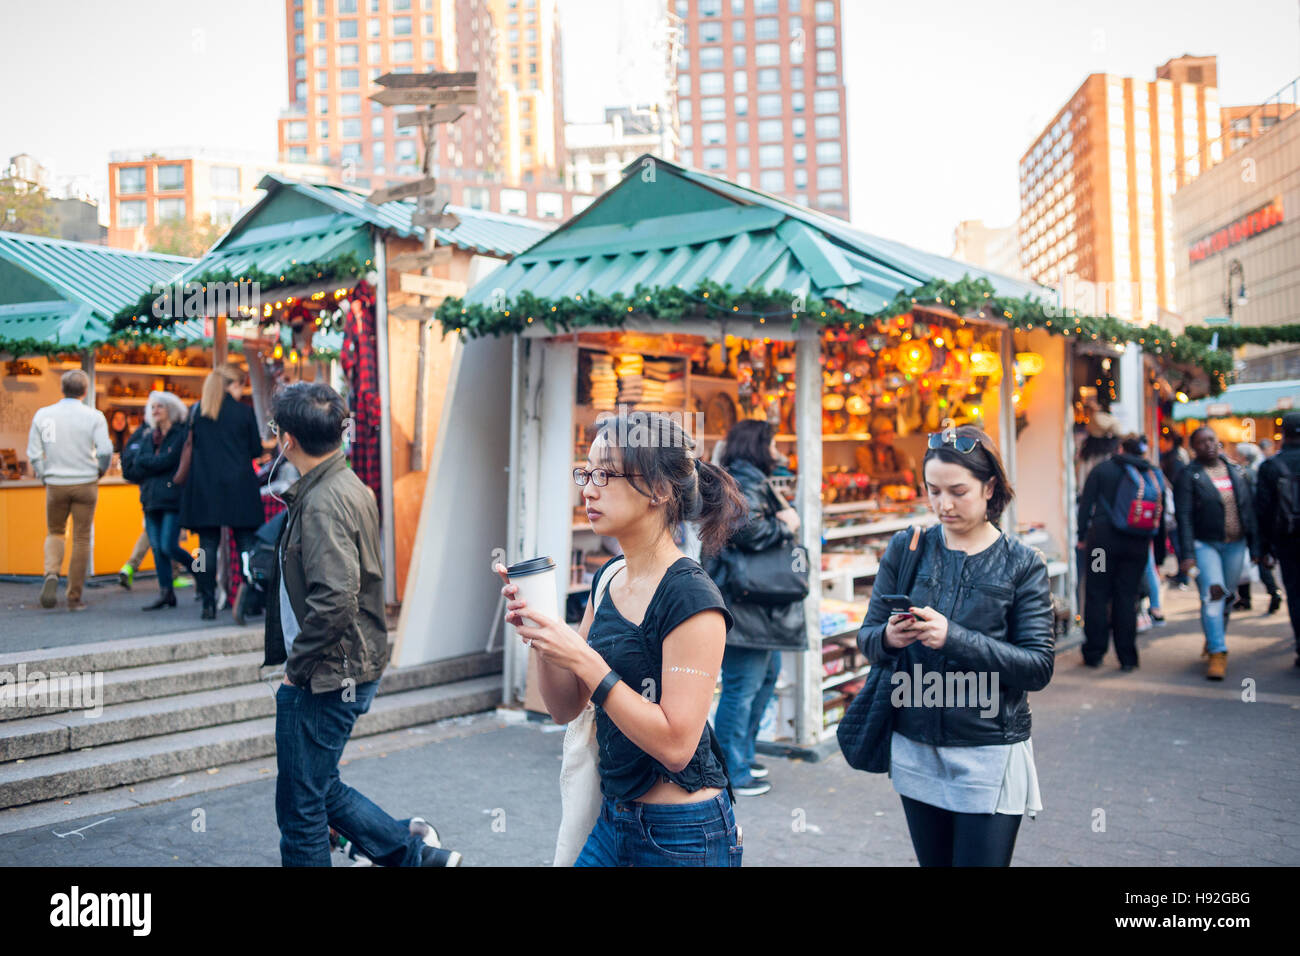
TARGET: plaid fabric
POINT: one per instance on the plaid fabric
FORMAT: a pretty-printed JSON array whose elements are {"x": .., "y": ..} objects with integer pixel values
[{"x": 360, "y": 360}]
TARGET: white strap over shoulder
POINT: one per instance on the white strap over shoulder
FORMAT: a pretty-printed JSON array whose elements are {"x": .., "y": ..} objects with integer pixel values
[{"x": 580, "y": 768}]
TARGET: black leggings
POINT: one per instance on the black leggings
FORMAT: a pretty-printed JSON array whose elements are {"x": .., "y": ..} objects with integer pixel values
[
  {"x": 209, "y": 541},
  {"x": 945, "y": 838}
]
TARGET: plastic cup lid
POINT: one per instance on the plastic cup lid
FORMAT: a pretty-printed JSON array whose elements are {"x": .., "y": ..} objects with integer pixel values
[{"x": 531, "y": 566}]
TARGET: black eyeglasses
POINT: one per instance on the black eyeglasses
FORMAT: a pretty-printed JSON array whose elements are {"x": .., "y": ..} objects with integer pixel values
[
  {"x": 963, "y": 443},
  {"x": 597, "y": 476}
]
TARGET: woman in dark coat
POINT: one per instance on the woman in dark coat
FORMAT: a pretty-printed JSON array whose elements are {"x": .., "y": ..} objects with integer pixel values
[
  {"x": 751, "y": 663},
  {"x": 221, "y": 490},
  {"x": 150, "y": 458}
]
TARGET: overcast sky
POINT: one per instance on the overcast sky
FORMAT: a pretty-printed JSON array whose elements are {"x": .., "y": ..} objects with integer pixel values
[{"x": 944, "y": 96}]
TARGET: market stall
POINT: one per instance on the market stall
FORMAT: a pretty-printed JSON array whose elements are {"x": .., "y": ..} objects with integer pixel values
[
  {"x": 325, "y": 278},
  {"x": 1247, "y": 412},
  {"x": 57, "y": 299},
  {"x": 687, "y": 294}
]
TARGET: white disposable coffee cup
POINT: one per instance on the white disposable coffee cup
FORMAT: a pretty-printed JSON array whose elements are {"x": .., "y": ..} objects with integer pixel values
[{"x": 535, "y": 579}]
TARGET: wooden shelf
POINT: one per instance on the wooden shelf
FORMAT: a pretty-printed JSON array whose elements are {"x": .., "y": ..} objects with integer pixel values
[
  {"x": 879, "y": 527},
  {"x": 836, "y": 679},
  {"x": 714, "y": 380},
  {"x": 104, "y": 368}
]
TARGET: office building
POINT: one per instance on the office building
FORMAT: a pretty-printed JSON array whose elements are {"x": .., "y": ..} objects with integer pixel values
[
  {"x": 599, "y": 152},
  {"x": 147, "y": 187},
  {"x": 1237, "y": 242},
  {"x": 994, "y": 249},
  {"x": 761, "y": 98},
  {"x": 1096, "y": 187}
]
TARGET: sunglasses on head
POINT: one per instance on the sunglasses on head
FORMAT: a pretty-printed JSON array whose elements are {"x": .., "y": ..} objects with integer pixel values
[{"x": 965, "y": 444}]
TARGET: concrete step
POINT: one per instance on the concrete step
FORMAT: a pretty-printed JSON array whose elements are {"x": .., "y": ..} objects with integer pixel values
[
  {"x": 56, "y": 732},
  {"x": 131, "y": 652},
  {"x": 118, "y": 764},
  {"x": 77, "y": 695},
  {"x": 73, "y": 730}
]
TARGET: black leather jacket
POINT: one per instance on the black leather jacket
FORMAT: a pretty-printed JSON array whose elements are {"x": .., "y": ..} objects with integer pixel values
[
  {"x": 1198, "y": 506},
  {"x": 999, "y": 609},
  {"x": 758, "y": 626}
]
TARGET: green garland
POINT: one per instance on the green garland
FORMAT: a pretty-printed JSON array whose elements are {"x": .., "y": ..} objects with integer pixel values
[
  {"x": 23, "y": 348},
  {"x": 348, "y": 266},
  {"x": 967, "y": 296},
  {"x": 1233, "y": 336}
]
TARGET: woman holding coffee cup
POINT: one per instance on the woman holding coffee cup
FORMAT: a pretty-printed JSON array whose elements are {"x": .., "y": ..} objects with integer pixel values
[{"x": 648, "y": 650}]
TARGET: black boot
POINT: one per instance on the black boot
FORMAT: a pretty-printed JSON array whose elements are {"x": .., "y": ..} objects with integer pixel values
[
  {"x": 1274, "y": 602},
  {"x": 209, "y": 609},
  {"x": 166, "y": 599}
]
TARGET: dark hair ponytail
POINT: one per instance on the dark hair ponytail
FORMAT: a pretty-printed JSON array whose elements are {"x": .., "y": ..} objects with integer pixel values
[
  {"x": 660, "y": 456},
  {"x": 722, "y": 506}
]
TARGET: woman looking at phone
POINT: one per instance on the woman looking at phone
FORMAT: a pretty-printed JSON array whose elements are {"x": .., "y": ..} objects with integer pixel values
[
  {"x": 980, "y": 618},
  {"x": 649, "y": 655}
]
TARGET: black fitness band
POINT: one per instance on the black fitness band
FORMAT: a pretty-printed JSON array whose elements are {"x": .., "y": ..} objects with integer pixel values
[{"x": 604, "y": 687}]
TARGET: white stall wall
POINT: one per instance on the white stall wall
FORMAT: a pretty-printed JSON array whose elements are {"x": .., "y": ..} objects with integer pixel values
[
  {"x": 1041, "y": 477},
  {"x": 449, "y": 606}
]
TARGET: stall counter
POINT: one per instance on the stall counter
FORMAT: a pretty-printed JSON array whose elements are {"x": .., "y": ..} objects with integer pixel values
[{"x": 118, "y": 522}]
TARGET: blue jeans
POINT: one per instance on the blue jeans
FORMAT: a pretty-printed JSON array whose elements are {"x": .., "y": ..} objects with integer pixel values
[
  {"x": 310, "y": 733},
  {"x": 1217, "y": 562},
  {"x": 1153, "y": 581},
  {"x": 748, "y": 680},
  {"x": 164, "y": 531},
  {"x": 663, "y": 834}
]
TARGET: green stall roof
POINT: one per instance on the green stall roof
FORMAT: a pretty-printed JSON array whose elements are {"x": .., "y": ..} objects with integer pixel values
[
  {"x": 65, "y": 293},
  {"x": 1249, "y": 398},
  {"x": 311, "y": 222},
  {"x": 681, "y": 226}
]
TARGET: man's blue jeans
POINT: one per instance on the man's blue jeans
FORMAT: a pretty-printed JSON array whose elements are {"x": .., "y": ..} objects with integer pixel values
[
  {"x": 311, "y": 731},
  {"x": 664, "y": 834},
  {"x": 748, "y": 680},
  {"x": 1217, "y": 562}
]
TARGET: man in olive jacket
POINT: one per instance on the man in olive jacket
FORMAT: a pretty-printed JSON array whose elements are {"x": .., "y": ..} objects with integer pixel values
[{"x": 325, "y": 621}]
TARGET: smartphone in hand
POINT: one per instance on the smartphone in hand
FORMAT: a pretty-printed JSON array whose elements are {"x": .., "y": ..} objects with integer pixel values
[{"x": 900, "y": 605}]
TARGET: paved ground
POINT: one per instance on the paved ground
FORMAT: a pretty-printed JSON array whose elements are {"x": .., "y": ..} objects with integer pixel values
[
  {"x": 1185, "y": 772},
  {"x": 111, "y": 613}
]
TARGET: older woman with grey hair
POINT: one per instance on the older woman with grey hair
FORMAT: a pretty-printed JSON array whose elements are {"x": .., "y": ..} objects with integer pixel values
[{"x": 151, "y": 459}]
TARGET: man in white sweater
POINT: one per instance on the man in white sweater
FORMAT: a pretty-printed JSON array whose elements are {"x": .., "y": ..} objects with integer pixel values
[{"x": 69, "y": 449}]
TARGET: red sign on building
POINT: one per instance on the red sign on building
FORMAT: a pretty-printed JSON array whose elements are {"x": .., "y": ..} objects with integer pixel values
[{"x": 1251, "y": 224}]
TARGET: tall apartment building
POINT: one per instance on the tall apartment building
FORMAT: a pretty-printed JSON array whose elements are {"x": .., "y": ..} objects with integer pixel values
[
  {"x": 531, "y": 84},
  {"x": 1096, "y": 187},
  {"x": 337, "y": 48},
  {"x": 146, "y": 187},
  {"x": 761, "y": 99}
]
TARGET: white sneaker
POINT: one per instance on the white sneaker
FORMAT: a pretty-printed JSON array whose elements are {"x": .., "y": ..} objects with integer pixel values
[
  {"x": 423, "y": 828},
  {"x": 1143, "y": 622}
]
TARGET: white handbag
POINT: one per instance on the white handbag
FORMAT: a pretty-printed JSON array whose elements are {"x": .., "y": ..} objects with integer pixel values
[{"x": 580, "y": 770}]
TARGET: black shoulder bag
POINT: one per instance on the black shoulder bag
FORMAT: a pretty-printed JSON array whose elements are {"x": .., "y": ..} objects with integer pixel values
[
  {"x": 865, "y": 729},
  {"x": 774, "y": 576}
]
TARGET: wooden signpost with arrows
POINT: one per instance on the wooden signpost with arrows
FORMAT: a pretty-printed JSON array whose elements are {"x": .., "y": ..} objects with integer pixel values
[{"x": 444, "y": 93}]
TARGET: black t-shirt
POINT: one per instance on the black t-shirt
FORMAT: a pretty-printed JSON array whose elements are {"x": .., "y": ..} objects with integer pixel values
[{"x": 636, "y": 654}]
